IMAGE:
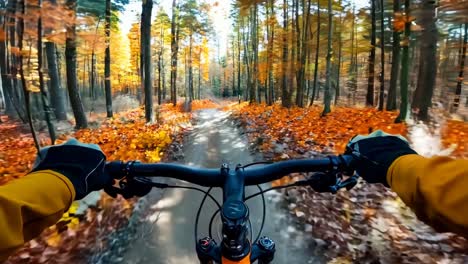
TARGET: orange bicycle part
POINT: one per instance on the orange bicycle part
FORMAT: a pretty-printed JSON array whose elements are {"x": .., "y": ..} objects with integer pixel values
[{"x": 245, "y": 260}]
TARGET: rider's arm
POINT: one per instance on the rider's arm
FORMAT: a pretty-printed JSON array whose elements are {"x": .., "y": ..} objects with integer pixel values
[
  {"x": 435, "y": 188},
  {"x": 61, "y": 174},
  {"x": 29, "y": 205}
]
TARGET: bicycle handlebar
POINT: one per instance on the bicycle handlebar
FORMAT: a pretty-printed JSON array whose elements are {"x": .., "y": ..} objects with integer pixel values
[
  {"x": 213, "y": 177},
  {"x": 234, "y": 213}
]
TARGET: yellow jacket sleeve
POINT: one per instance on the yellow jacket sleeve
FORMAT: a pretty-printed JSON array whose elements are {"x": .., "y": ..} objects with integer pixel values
[
  {"x": 29, "y": 205},
  {"x": 435, "y": 188}
]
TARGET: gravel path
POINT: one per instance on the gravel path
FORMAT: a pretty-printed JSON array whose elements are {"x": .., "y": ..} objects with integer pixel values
[{"x": 167, "y": 233}]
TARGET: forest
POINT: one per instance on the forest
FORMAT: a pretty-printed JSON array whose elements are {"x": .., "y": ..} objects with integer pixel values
[{"x": 286, "y": 79}]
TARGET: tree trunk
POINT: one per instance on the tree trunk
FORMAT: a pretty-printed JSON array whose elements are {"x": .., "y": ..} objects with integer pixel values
[
  {"x": 45, "y": 102},
  {"x": 174, "y": 50},
  {"x": 199, "y": 76},
  {"x": 57, "y": 96},
  {"x": 233, "y": 86},
  {"x": 302, "y": 53},
  {"x": 107, "y": 73},
  {"x": 405, "y": 67},
  {"x": 189, "y": 94},
  {"x": 253, "y": 89},
  {"x": 428, "y": 61},
  {"x": 292, "y": 59},
  {"x": 147, "y": 81},
  {"x": 159, "y": 77},
  {"x": 340, "y": 52},
  {"x": 238, "y": 63},
  {"x": 72, "y": 82},
  {"x": 20, "y": 31},
  {"x": 285, "y": 100},
  {"x": 271, "y": 39},
  {"x": 382, "y": 57},
  {"x": 352, "y": 80},
  {"x": 392, "y": 91},
  {"x": 317, "y": 48},
  {"x": 458, "y": 90},
  {"x": 6, "y": 81},
  {"x": 13, "y": 61},
  {"x": 247, "y": 63},
  {"x": 327, "y": 92},
  {"x": 371, "y": 70},
  {"x": 93, "y": 63}
]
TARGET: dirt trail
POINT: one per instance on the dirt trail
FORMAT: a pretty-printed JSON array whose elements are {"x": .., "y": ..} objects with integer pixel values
[{"x": 167, "y": 233}]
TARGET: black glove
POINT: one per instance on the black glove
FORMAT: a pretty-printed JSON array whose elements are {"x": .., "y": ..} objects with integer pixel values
[
  {"x": 375, "y": 154},
  {"x": 83, "y": 164}
]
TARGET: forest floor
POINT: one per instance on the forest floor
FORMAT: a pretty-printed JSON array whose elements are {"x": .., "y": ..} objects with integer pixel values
[
  {"x": 368, "y": 224},
  {"x": 362, "y": 225},
  {"x": 84, "y": 232}
]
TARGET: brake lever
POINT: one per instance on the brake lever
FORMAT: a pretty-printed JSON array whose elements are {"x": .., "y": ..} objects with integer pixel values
[
  {"x": 329, "y": 182},
  {"x": 349, "y": 183},
  {"x": 130, "y": 187}
]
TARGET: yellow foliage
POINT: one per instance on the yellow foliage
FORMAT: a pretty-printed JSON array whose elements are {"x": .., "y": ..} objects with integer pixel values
[{"x": 54, "y": 239}]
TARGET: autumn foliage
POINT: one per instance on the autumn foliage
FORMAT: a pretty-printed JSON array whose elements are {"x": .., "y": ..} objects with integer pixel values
[
  {"x": 303, "y": 129},
  {"x": 369, "y": 223},
  {"x": 307, "y": 130},
  {"x": 124, "y": 137}
]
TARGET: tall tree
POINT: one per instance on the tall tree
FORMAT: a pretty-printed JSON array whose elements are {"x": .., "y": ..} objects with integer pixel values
[
  {"x": 461, "y": 73},
  {"x": 382, "y": 56},
  {"x": 70, "y": 63},
  {"x": 285, "y": 95},
  {"x": 147, "y": 80},
  {"x": 239, "y": 69},
  {"x": 174, "y": 49},
  {"x": 45, "y": 102},
  {"x": 161, "y": 25},
  {"x": 371, "y": 69},
  {"x": 107, "y": 62},
  {"x": 353, "y": 71},
  {"x": 422, "y": 99},
  {"x": 327, "y": 92},
  {"x": 26, "y": 92},
  {"x": 12, "y": 60},
  {"x": 6, "y": 80},
  {"x": 254, "y": 25},
  {"x": 317, "y": 48},
  {"x": 271, "y": 19},
  {"x": 405, "y": 66},
  {"x": 340, "y": 54},
  {"x": 302, "y": 39},
  {"x": 57, "y": 95},
  {"x": 392, "y": 91},
  {"x": 195, "y": 22}
]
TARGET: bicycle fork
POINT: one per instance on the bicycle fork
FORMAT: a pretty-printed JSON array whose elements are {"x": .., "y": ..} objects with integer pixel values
[{"x": 209, "y": 252}]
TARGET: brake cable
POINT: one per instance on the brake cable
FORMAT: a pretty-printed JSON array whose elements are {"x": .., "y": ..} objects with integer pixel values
[
  {"x": 349, "y": 183},
  {"x": 256, "y": 163},
  {"x": 263, "y": 215},
  {"x": 207, "y": 193}
]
